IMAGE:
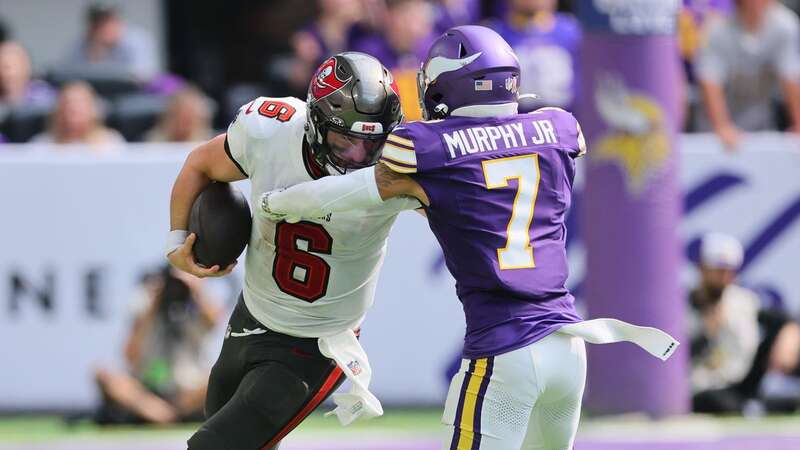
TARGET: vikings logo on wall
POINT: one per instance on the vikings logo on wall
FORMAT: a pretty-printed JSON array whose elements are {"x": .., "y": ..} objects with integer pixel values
[
  {"x": 326, "y": 81},
  {"x": 637, "y": 137}
]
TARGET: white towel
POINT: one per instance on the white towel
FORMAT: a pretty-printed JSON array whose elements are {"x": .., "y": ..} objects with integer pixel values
[
  {"x": 359, "y": 402},
  {"x": 605, "y": 331}
]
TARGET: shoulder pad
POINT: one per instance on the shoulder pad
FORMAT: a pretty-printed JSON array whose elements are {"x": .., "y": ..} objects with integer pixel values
[
  {"x": 398, "y": 151},
  {"x": 262, "y": 117}
]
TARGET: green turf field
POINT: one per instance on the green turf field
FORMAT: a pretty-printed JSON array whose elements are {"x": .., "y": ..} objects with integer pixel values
[{"x": 417, "y": 430}]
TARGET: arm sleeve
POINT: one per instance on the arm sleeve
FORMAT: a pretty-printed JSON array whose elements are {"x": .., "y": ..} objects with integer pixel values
[{"x": 356, "y": 190}]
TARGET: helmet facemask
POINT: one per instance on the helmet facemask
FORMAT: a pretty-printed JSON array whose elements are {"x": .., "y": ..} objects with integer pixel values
[
  {"x": 350, "y": 151},
  {"x": 340, "y": 150}
]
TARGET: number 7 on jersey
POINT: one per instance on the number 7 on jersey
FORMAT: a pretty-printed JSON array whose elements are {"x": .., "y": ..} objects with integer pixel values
[{"x": 518, "y": 253}]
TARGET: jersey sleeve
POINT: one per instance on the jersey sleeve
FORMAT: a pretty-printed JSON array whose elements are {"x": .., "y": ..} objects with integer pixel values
[
  {"x": 568, "y": 128},
  {"x": 255, "y": 123},
  {"x": 399, "y": 153},
  {"x": 580, "y": 139},
  {"x": 414, "y": 148}
]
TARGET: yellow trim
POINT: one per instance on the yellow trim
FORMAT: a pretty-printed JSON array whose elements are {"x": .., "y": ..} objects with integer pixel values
[
  {"x": 397, "y": 168},
  {"x": 528, "y": 247},
  {"x": 470, "y": 405},
  {"x": 398, "y": 140},
  {"x": 395, "y": 160},
  {"x": 400, "y": 154},
  {"x": 395, "y": 147}
]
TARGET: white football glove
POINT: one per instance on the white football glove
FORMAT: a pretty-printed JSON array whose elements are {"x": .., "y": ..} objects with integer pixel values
[{"x": 268, "y": 214}]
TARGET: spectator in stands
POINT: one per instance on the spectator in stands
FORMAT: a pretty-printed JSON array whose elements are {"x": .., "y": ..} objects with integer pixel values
[
  {"x": 547, "y": 44},
  {"x": 733, "y": 342},
  {"x": 186, "y": 119},
  {"x": 112, "y": 46},
  {"x": 167, "y": 375},
  {"x": 16, "y": 85},
  {"x": 401, "y": 44},
  {"x": 746, "y": 57},
  {"x": 76, "y": 119},
  {"x": 329, "y": 33},
  {"x": 451, "y": 13}
]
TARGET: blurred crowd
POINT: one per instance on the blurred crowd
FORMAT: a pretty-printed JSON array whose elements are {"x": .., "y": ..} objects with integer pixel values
[
  {"x": 106, "y": 90},
  {"x": 741, "y": 59}
]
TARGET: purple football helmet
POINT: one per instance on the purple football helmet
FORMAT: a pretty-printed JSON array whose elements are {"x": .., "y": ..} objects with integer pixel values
[{"x": 467, "y": 65}]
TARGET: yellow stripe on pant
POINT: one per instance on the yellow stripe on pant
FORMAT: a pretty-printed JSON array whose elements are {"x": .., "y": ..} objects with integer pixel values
[{"x": 467, "y": 435}]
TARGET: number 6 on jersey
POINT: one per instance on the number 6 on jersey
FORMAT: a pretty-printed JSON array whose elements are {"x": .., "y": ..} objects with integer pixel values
[{"x": 517, "y": 254}]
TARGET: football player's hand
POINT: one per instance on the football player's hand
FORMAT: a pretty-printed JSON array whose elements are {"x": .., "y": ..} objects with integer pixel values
[
  {"x": 269, "y": 214},
  {"x": 183, "y": 260}
]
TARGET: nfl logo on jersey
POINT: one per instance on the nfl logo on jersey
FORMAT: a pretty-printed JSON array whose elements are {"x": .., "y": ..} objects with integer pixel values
[{"x": 354, "y": 367}]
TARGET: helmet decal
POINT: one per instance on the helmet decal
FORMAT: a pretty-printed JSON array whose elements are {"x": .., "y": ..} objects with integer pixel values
[
  {"x": 393, "y": 83},
  {"x": 367, "y": 127},
  {"x": 326, "y": 82},
  {"x": 440, "y": 64}
]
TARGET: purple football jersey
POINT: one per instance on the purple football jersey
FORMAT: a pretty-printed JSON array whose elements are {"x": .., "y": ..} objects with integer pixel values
[{"x": 499, "y": 190}]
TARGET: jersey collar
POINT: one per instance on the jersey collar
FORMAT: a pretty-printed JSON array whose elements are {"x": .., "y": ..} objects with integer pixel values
[{"x": 501, "y": 110}]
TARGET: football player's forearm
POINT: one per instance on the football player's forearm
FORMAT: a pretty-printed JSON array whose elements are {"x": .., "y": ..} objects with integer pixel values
[
  {"x": 205, "y": 163},
  {"x": 356, "y": 190},
  {"x": 392, "y": 184},
  {"x": 188, "y": 185}
]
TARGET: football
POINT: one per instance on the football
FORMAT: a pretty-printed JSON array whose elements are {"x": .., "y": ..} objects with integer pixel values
[{"x": 221, "y": 220}]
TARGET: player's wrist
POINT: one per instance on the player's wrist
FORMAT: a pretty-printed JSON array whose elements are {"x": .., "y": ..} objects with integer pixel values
[{"x": 175, "y": 239}]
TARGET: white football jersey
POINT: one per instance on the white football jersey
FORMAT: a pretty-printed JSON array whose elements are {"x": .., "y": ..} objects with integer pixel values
[{"x": 317, "y": 277}]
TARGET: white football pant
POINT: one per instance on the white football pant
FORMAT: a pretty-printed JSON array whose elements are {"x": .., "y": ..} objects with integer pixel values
[{"x": 527, "y": 399}]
